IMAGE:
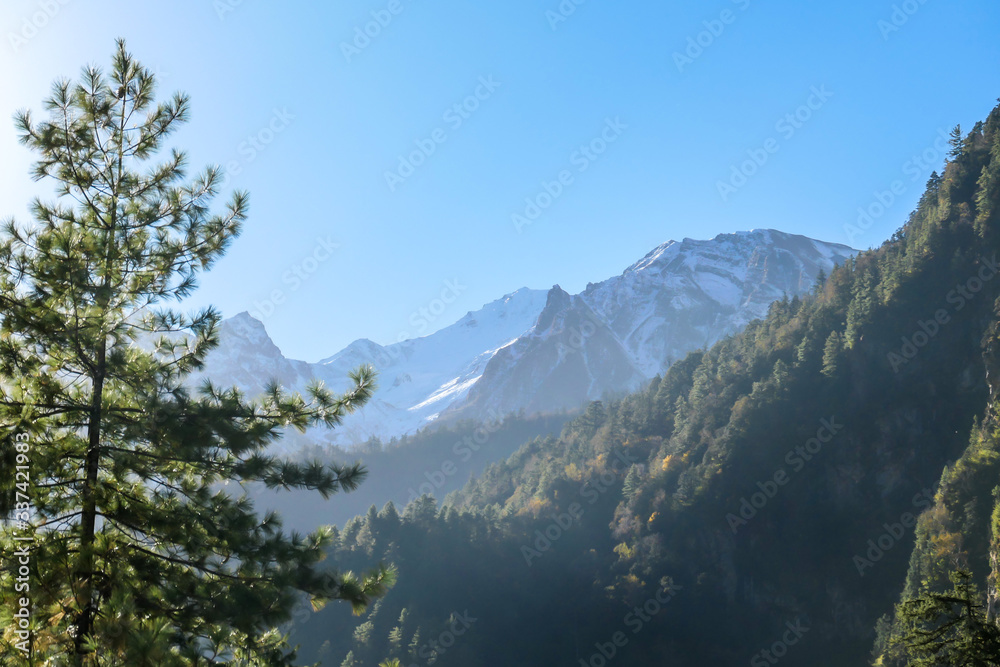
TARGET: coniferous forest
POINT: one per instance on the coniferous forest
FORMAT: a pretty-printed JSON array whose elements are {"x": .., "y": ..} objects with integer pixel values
[{"x": 819, "y": 487}]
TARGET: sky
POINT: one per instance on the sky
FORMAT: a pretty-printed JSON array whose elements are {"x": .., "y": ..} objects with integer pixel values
[{"x": 409, "y": 161}]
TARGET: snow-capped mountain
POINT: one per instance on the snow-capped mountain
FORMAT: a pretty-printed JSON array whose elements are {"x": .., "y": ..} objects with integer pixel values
[
  {"x": 615, "y": 335},
  {"x": 418, "y": 379},
  {"x": 541, "y": 351}
]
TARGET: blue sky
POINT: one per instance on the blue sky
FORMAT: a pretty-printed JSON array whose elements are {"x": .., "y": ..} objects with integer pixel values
[{"x": 309, "y": 117}]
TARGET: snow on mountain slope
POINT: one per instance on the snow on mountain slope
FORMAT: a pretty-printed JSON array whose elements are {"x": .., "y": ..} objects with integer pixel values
[
  {"x": 543, "y": 351},
  {"x": 618, "y": 333},
  {"x": 418, "y": 379}
]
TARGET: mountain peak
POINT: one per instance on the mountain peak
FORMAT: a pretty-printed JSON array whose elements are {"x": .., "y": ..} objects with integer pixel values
[{"x": 246, "y": 326}]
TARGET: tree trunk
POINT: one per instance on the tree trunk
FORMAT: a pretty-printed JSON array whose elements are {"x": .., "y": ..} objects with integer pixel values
[{"x": 88, "y": 521}]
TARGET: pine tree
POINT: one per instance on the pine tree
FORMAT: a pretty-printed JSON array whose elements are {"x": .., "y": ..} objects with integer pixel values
[
  {"x": 780, "y": 374},
  {"x": 950, "y": 628},
  {"x": 988, "y": 186},
  {"x": 389, "y": 516},
  {"x": 413, "y": 647},
  {"x": 861, "y": 308},
  {"x": 820, "y": 281},
  {"x": 957, "y": 143},
  {"x": 831, "y": 354},
  {"x": 396, "y": 638},
  {"x": 592, "y": 419},
  {"x": 805, "y": 349},
  {"x": 632, "y": 483},
  {"x": 139, "y": 556}
]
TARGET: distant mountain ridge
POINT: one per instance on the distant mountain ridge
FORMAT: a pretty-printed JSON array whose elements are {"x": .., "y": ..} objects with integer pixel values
[{"x": 541, "y": 351}]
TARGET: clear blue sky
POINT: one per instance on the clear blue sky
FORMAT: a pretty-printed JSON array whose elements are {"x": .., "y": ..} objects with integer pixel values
[{"x": 322, "y": 176}]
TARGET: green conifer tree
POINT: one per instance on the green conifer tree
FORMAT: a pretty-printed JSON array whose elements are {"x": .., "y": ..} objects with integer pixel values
[
  {"x": 950, "y": 628},
  {"x": 140, "y": 556},
  {"x": 957, "y": 143},
  {"x": 632, "y": 483},
  {"x": 831, "y": 354}
]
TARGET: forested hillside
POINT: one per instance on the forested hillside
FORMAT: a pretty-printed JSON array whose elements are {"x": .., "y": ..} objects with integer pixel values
[
  {"x": 756, "y": 501},
  {"x": 431, "y": 461}
]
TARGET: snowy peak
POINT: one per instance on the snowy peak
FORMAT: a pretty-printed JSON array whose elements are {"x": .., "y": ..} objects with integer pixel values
[
  {"x": 251, "y": 331},
  {"x": 656, "y": 258},
  {"x": 249, "y": 359},
  {"x": 356, "y": 353},
  {"x": 618, "y": 333}
]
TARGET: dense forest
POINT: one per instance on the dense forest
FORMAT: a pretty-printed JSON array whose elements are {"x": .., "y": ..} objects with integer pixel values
[{"x": 758, "y": 500}]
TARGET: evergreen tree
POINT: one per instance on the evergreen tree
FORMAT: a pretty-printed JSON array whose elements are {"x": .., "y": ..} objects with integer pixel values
[
  {"x": 861, "y": 308},
  {"x": 950, "y": 628},
  {"x": 805, "y": 349},
  {"x": 831, "y": 354},
  {"x": 139, "y": 556},
  {"x": 592, "y": 419},
  {"x": 820, "y": 282},
  {"x": 988, "y": 186},
  {"x": 780, "y": 374},
  {"x": 389, "y": 516},
  {"x": 396, "y": 638},
  {"x": 632, "y": 483},
  {"x": 414, "y": 646},
  {"x": 957, "y": 144}
]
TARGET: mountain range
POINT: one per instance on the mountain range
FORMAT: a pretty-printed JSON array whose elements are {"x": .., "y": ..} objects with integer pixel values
[{"x": 542, "y": 352}]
